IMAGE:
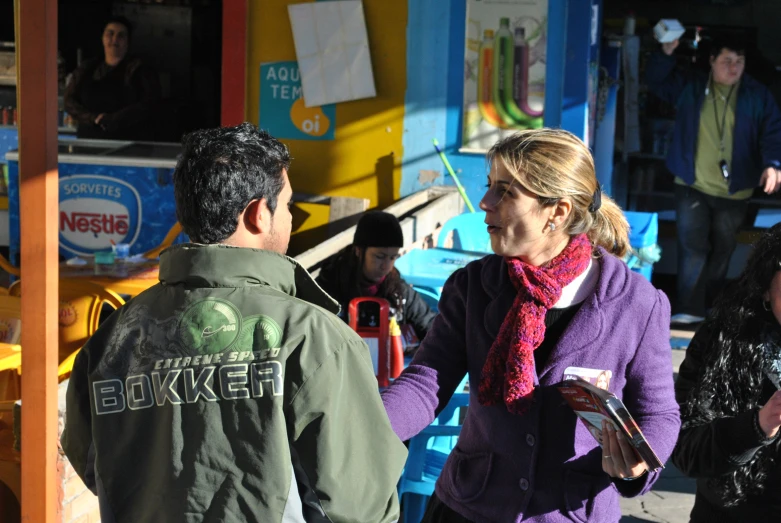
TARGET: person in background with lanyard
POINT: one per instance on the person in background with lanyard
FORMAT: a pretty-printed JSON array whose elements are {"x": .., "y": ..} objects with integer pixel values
[{"x": 726, "y": 142}]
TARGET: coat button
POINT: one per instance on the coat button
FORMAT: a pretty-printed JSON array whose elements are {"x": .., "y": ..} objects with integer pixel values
[
  {"x": 530, "y": 440},
  {"x": 524, "y": 484}
]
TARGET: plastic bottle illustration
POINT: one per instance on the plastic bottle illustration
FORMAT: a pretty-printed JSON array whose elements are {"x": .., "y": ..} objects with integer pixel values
[
  {"x": 504, "y": 74},
  {"x": 503, "y": 67},
  {"x": 521, "y": 74},
  {"x": 485, "y": 80}
]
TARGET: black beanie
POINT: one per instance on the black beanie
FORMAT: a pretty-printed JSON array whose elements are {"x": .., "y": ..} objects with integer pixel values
[{"x": 378, "y": 229}]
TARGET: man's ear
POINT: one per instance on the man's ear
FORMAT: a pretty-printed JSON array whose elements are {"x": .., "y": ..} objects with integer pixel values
[{"x": 257, "y": 217}]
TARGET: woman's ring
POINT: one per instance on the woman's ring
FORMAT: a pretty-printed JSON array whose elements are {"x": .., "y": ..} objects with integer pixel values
[{"x": 606, "y": 456}]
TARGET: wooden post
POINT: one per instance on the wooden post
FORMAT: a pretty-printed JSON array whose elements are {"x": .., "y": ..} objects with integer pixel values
[
  {"x": 37, "y": 104},
  {"x": 234, "y": 62}
]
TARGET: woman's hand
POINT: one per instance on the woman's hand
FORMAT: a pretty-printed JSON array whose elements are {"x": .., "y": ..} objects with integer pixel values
[
  {"x": 619, "y": 459},
  {"x": 770, "y": 415},
  {"x": 99, "y": 118}
]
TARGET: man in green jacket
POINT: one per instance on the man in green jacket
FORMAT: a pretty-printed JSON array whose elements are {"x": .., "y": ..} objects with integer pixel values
[{"x": 230, "y": 391}]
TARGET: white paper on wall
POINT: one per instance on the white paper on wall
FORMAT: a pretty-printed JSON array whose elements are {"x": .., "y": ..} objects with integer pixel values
[{"x": 332, "y": 50}]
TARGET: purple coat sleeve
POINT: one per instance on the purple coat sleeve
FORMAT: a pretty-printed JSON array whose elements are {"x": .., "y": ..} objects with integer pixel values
[
  {"x": 649, "y": 394},
  {"x": 424, "y": 388}
]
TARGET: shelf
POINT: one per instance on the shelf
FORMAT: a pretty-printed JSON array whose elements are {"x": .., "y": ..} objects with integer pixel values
[
  {"x": 63, "y": 130},
  {"x": 647, "y": 156},
  {"x": 767, "y": 202},
  {"x": 761, "y": 201}
]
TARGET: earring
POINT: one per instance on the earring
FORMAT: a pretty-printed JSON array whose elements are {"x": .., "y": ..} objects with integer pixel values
[{"x": 552, "y": 226}]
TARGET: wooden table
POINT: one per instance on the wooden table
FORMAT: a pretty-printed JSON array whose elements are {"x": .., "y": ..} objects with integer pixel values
[{"x": 130, "y": 278}]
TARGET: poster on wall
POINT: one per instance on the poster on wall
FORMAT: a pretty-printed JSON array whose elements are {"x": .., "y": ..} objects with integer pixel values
[
  {"x": 504, "y": 69},
  {"x": 332, "y": 49},
  {"x": 282, "y": 109}
]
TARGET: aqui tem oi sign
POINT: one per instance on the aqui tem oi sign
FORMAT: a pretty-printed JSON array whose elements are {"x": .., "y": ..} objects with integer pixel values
[
  {"x": 94, "y": 210},
  {"x": 282, "y": 109}
]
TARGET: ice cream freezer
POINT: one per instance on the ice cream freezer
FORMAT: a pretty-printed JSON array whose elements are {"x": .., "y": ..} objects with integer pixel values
[{"x": 108, "y": 191}]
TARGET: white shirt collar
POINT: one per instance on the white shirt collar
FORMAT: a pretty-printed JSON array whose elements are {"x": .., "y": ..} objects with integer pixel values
[{"x": 581, "y": 287}]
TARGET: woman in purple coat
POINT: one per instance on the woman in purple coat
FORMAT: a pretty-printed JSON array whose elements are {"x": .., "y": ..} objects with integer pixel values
[{"x": 554, "y": 301}]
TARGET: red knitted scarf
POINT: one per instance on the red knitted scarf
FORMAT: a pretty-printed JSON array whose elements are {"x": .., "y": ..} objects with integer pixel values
[{"x": 508, "y": 373}]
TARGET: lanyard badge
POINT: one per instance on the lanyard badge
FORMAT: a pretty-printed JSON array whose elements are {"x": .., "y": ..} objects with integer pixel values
[
  {"x": 724, "y": 169},
  {"x": 722, "y": 129}
]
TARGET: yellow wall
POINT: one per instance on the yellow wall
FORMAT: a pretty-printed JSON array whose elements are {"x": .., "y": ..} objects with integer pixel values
[{"x": 364, "y": 158}]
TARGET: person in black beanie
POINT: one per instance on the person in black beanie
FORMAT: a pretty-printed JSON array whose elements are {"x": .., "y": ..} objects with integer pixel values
[{"x": 365, "y": 268}]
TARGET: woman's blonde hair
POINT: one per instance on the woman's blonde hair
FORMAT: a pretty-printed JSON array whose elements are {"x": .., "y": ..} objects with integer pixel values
[{"x": 555, "y": 164}]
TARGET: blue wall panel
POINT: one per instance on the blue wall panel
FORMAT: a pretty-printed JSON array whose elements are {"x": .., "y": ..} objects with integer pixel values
[
  {"x": 435, "y": 78},
  {"x": 427, "y": 90}
]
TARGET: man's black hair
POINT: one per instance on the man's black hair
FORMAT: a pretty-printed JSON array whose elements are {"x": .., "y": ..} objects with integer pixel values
[
  {"x": 732, "y": 43},
  {"x": 222, "y": 170},
  {"x": 118, "y": 19}
]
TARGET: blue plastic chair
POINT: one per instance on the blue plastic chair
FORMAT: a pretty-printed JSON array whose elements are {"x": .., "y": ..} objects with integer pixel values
[
  {"x": 428, "y": 452},
  {"x": 469, "y": 233},
  {"x": 430, "y": 296},
  {"x": 643, "y": 237}
]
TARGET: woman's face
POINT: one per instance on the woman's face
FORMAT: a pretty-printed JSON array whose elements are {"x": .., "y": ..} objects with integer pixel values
[
  {"x": 378, "y": 262},
  {"x": 115, "y": 42},
  {"x": 602, "y": 381},
  {"x": 774, "y": 296},
  {"x": 519, "y": 226}
]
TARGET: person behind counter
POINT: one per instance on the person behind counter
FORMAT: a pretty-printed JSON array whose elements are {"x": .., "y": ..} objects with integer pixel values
[
  {"x": 365, "y": 268},
  {"x": 113, "y": 97},
  {"x": 555, "y": 299},
  {"x": 728, "y": 388}
]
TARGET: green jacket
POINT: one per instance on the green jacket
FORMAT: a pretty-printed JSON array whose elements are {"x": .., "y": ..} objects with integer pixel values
[{"x": 231, "y": 392}]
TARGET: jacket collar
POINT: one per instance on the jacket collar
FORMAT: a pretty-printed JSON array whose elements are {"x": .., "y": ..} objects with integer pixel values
[
  {"x": 196, "y": 265},
  {"x": 587, "y": 325}
]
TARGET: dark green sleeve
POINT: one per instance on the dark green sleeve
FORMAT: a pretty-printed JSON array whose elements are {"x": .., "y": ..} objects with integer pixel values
[
  {"x": 344, "y": 441},
  {"x": 77, "y": 436}
]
